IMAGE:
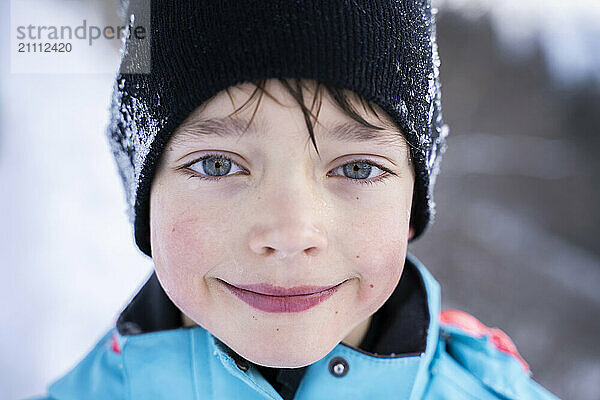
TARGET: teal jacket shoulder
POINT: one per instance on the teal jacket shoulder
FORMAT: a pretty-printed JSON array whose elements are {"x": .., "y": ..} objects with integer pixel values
[
  {"x": 476, "y": 362},
  {"x": 97, "y": 376}
]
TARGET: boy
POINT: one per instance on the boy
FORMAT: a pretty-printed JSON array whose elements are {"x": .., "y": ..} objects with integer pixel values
[{"x": 281, "y": 264}]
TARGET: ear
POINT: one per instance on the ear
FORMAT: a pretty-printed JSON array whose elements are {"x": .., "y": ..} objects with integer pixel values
[{"x": 411, "y": 232}]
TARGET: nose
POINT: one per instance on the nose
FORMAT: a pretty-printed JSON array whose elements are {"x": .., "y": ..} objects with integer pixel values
[
  {"x": 288, "y": 241},
  {"x": 288, "y": 229}
]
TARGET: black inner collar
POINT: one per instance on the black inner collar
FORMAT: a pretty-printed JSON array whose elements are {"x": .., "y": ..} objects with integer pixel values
[
  {"x": 150, "y": 310},
  {"x": 397, "y": 329}
]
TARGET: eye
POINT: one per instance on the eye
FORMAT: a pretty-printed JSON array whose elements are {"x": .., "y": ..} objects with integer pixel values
[
  {"x": 361, "y": 170},
  {"x": 213, "y": 167}
]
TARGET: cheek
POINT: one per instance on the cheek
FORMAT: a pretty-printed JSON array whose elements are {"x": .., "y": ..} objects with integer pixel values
[
  {"x": 381, "y": 271},
  {"x": 181, "y": 242},
  {"x": 379, "y": 252},
  {"x": 188, "y": 230},
  {"x": 185, "y": 247}
]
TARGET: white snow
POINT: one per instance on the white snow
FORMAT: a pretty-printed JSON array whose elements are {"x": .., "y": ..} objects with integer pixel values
[
  {"x": 67, "y": 256},
  {"x": 568, "y": 31}
]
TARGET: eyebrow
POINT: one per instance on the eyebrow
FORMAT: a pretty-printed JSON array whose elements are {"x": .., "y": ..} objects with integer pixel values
[{"x": 346, "y": 132}]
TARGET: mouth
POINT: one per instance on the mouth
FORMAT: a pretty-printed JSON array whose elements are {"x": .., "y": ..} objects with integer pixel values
[{"x": 269, "y": 298}]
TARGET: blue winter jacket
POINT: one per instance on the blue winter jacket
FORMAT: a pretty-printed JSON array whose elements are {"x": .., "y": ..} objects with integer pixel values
[{"x": 462, "y": 359}]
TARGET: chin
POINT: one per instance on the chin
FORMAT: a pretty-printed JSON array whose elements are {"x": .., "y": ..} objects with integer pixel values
[
  {"x": 277, "y": 357},
  {"x": 287, "y": 361}
]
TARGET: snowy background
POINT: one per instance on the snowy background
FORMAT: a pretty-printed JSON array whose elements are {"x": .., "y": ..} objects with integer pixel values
[{"x": 515, "y": 242}]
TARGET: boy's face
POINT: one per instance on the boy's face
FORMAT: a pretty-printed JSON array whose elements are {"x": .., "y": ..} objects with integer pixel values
[{"x": 279, "y": 215}]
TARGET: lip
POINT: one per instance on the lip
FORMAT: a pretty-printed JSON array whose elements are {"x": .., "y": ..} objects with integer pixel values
[{"x": 269, "y": 298}]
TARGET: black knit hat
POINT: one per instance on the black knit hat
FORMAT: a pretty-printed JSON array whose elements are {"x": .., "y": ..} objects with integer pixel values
[{"x": 383, "y": 50}]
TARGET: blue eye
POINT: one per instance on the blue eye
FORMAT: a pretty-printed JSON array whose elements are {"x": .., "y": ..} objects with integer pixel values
[
  {"x": 212, "y": 166},
  {"x": 359, "y": 170},
  {"x": 215, "y": 166}
]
